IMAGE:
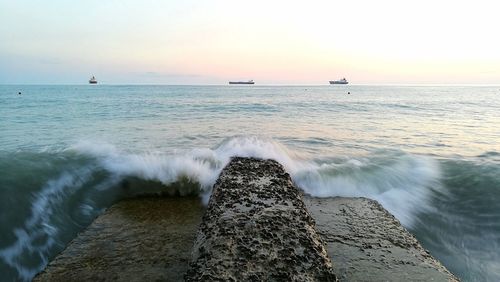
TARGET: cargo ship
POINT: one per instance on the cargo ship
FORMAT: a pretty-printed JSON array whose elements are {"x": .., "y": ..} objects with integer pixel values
[
  {"x": 340, "y": 81},
  {"x": 92, "y": 80},
  {"x": 242, "y": 82}
]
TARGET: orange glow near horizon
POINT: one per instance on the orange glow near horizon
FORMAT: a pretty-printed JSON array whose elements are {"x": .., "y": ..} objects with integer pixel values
[{"x": 383, "y": 41}]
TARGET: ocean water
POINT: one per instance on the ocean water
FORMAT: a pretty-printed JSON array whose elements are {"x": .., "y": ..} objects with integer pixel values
[{"x": 429, "y": 154}]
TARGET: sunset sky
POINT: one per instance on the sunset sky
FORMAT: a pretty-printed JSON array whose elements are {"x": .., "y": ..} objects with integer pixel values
[{"x": 272, "y": 42}]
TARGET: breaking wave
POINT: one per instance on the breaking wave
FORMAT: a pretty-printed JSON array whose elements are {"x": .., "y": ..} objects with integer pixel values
[
  {"x": 401, "y": 182},
  {"x": 90, "y": 176}
]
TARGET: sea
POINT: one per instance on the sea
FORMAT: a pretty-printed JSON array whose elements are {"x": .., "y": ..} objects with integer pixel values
[{"x": 429, "y": 154}]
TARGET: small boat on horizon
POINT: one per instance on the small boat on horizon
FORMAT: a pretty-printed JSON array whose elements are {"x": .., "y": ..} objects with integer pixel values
[
  {"x": 242, "y": 82},
  {"x": 340, "y": 81},
  {"x": 92, "y": 80}
]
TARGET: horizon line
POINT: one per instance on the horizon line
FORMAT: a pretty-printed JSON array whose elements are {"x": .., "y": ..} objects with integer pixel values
[{"x": 256, "y": 85}]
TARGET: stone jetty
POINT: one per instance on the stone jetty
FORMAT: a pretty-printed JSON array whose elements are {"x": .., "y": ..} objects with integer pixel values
[
  {"x": 140, "y": 239},
  {"x": 367, "y": 243},
  {"x": 257, "y": 227}
]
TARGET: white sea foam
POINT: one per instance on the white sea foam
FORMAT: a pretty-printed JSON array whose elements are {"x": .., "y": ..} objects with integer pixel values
[
  {"x": 201, "y": 165},
  {"x": 402, "y": 183},
  {"x": 37, "y": 235}
]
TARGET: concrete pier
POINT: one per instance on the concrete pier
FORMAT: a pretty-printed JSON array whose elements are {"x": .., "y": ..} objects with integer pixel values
[
  {"x": 142, "y": 239},
  {"x": 257, "y": 227},
  {"x": 367, "y": 243}
]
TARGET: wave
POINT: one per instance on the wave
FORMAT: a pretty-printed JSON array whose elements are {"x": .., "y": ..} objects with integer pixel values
[
  {"x": 401, "y": 182},
  {"x": 39, "y": 234},
  {"x": 199, "y": 166},
  {"x": 92, "y": 175}
]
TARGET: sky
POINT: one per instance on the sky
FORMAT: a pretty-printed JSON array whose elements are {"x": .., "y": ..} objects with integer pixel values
[{"x": 272, "y": 42}]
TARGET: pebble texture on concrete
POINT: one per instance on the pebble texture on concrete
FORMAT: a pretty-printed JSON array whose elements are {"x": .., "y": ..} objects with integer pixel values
[
  {"x": 366, "y": 243},
  {"x": 256, "y": 228},
  {"x": 143, "y": 239}
]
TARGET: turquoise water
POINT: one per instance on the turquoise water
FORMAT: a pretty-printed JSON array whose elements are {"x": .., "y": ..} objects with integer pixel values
[{"x": 429, "y": 154}]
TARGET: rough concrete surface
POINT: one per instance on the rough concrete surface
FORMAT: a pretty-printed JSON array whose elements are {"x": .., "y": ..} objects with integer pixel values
[
  {"x": 366, "y": 243},
  {"x": 143, "y": 239},
  {"x": 256, "y": 228}
]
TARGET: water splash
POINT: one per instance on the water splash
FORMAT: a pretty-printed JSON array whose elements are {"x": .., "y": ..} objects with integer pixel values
[
  {"x": 400, "y": 182},
  {"x": 36, "y": 238}
]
